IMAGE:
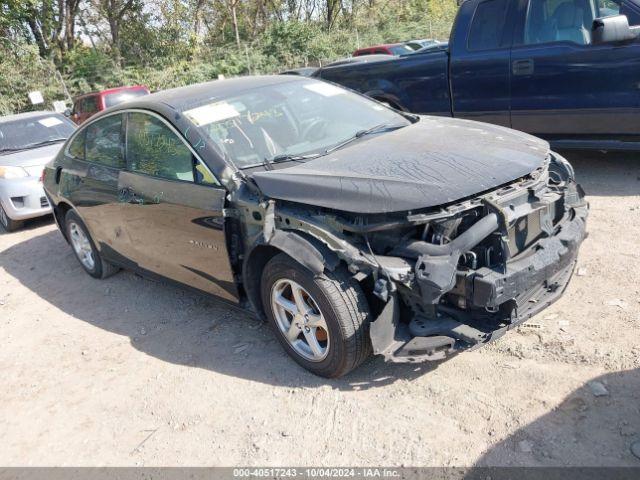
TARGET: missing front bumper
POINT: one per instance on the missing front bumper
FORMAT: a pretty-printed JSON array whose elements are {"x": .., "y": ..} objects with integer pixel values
[{"x": 500, "y": 300}]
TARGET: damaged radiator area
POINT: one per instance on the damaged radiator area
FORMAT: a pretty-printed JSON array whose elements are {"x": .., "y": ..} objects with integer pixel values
[{"x": 453, "y": 278}]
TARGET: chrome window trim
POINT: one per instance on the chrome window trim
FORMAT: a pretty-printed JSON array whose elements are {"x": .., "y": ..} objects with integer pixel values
[{"x": 85, "y": 125}]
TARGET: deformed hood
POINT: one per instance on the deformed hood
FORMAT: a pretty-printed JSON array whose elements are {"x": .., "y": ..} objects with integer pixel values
[{"x": 432, "y": 162}]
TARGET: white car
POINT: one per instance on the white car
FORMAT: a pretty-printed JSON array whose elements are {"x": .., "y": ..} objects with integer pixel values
[{"x": 27, "y": 142}]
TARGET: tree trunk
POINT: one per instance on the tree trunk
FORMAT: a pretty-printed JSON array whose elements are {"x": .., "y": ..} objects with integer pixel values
[
  {"x": 114, "y": 28},
  {"x": 43, "y": 47},
  {"x": 235, "y": 22}
]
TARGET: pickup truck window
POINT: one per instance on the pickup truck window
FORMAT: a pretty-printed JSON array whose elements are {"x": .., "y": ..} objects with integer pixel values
[
  {"x": 607, "y": 8},
  {"x": 487, "y": 25},
  {"x": 559, "y": 20}
]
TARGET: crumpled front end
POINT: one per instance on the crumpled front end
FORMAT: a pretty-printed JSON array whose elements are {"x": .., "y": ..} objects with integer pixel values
[
  {"x": 454, "y": 277},
  {"x": 487, "y": 266}
]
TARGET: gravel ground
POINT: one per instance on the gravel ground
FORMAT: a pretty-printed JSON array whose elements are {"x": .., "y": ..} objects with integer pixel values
[{"x": 128, "y": 371}]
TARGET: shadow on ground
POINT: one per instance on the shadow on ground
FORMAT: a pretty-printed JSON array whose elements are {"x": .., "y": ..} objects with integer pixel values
[
  {"x": 581, "y": 424},
  {"x": 32, "y": 224},
  {"x": 606, "y": 174},
  {"x": 173, "y": 324}
]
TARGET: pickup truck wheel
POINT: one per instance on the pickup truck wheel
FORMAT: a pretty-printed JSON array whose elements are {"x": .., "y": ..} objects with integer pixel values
[
  {"x": 7, "y": 223},
  {"x": 321, "y": 321},
  {"x": 84, "y": 248}
]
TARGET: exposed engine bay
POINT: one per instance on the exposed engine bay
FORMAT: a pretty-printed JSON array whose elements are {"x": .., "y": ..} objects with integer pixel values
[{"x": 450, "y": 278}]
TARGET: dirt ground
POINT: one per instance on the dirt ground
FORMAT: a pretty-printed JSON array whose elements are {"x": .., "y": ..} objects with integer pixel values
[{"x": 128, "y": 371}]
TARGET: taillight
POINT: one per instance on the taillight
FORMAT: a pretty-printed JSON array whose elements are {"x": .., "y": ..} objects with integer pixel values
[{"x": 42, "y": 175}]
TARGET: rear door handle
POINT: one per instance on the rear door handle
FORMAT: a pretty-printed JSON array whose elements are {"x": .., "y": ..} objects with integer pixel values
[{"x": 522, "y": 67}]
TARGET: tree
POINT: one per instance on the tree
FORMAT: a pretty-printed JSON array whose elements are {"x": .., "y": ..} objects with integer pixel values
[
  {"x": 50, "y": 23},
  {"x": 114, "y": 12}
]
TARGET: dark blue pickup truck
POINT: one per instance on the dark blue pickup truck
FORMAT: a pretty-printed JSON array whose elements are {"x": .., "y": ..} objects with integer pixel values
[{"x": 564, "y": 70}]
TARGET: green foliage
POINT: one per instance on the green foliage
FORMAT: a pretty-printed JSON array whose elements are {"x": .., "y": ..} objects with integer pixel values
[
  {"x": 23, "y": 71},
  {"x": 162, "y": 47}
]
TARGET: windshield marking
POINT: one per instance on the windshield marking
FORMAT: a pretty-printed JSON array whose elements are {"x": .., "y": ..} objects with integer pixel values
[
  {"x": 325, "y": 89},
  {"x": 50, "y": 121},
  {"x": 214, "y": 112}
]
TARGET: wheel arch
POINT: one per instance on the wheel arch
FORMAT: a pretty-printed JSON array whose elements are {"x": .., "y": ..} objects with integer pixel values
[
  {"x": 309, "y": 252},
  {"x": 388, "y": 98},
  {"x": 59, "y": 213}
]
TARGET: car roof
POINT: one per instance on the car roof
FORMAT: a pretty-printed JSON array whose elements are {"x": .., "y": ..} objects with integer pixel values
[
  {"x": 111, "y": 90},
  {"x": 382, "y": 45},
  {"x": 21, "y": 116},
  {"x": 376, "y": 57},
  {"x": 182, "y": 98},
  {"x": 122, "y": 89}
]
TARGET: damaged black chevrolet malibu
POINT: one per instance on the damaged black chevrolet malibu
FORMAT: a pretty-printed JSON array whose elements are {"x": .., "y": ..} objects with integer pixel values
[{"x": 351, "y": 227}]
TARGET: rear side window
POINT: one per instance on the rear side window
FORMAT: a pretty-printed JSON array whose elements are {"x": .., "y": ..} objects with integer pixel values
[
  {"x": 76, "y": 148},
  {"x": 487, "y": 25},
  {"x": 608, "y": 8},
  {"x": 104, "y": 142},
  {"x": 153, "y": 149}
]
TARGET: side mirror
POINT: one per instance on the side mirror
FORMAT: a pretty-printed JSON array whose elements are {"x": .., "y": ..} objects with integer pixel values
[
  {"x": 611, "y": 29},
  {"x": 67, "y": 112}
]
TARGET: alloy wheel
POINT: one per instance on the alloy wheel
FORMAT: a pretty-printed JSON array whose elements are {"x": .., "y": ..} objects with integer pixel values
[
  {"x": 300, "y": 320},
  {"x": 82, "y": 246}
]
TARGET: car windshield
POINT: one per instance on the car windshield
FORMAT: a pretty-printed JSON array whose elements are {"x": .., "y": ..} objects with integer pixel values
[
  {"x": 32, "y": 132},
  {"x": 289, "y": 120},
  {"x": 112, "y": 99}
]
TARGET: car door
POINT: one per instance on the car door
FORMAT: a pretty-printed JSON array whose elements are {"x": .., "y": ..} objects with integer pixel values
[
  {"x": 173, "y": 208},
  {"x": 564, "y": 87},
  {"x": 94, "y": 160},
  {"x": 480, "y": 63}
]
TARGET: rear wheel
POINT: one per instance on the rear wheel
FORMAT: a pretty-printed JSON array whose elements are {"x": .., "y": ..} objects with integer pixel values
[
  {"x": 7, "y": 223},
  {"x": 84, "y": 248},
  {"x": 321, "y": 321}
]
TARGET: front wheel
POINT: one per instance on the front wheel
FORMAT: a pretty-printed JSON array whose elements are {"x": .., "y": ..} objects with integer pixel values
[
  {"x": 321, "y": 321},
  {"x": 84, "y": 248},
  {"x": 7, "y": 223}
]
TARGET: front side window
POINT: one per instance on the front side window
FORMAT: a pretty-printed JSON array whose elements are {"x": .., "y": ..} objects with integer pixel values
[
  {"x": 487, "y": 26},
  {"x": 104, "y": 142},
  {"x": 560, "y": 20},
  {"x": 301, "y": 117},
  {"x": 154, "y": 149}
]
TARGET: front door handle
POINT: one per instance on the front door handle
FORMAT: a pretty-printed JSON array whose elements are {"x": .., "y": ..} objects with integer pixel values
[{"x": 522, "y": 67}]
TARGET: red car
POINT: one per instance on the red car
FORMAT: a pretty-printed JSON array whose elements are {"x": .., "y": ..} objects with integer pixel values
[
  {"x": 89, "y": 104},
  {"x": 386, "y": 49}
]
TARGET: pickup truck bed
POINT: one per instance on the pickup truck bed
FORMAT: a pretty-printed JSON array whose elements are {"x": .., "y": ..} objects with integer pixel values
[{"x": 417, "y": 82}]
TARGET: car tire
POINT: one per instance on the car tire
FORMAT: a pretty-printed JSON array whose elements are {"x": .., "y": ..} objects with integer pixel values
[
  {"x": 85, "y": 249},
  {"x": 338, "y": 316},
  {"x": 7, "y": 223}
]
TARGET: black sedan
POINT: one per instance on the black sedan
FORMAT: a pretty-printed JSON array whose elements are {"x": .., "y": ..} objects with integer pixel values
[{"x": 350, "y": 226}]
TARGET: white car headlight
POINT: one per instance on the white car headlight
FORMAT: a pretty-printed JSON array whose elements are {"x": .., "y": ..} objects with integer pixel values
[{"x": 12, "y": 172}]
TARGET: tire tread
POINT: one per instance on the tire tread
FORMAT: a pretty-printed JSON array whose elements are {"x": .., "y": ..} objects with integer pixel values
[{"x": 350, "y": 308}]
